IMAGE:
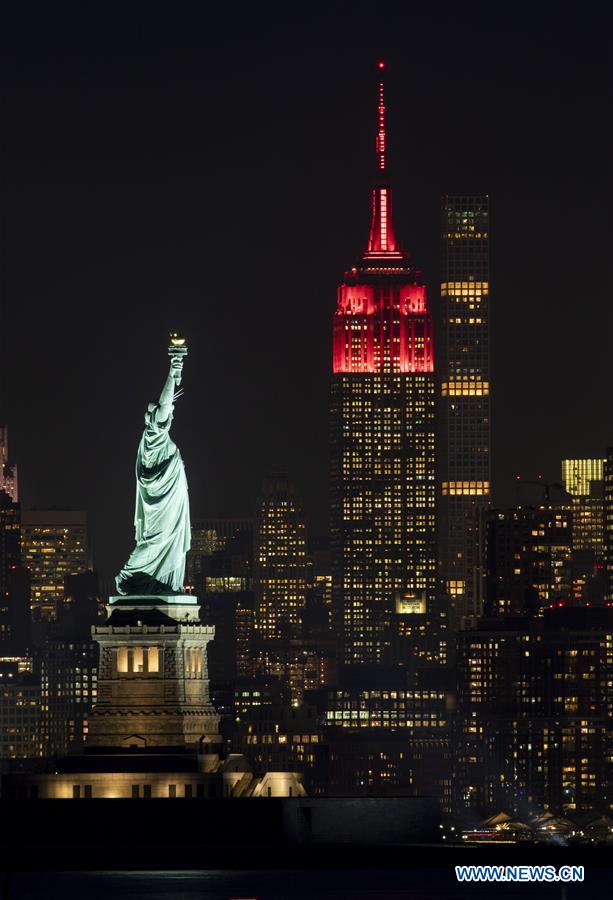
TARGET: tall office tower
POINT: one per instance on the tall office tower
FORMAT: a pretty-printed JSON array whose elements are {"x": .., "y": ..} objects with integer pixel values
[
  {"x": 534, "y": 702},
  {"x": 529, "y": 560},
  {"x": 583, "y": 480},
  {"x": 53, "y": 545},
  {"x": 464, "y": 440},
  {"x": 221, "y": 556},
  {"x": 608, "y": 525},
  {"x": 10, "y": 534},
  {"x": 81, "y": 607},
  {"x": 69, "y": 679},
  {"x": 387, "y": 739},
  {"x": 21, "y": 732},
  {"x": 231, "y": 653},
  {"x": 8, "y": 470},
  {"x": 383, "y": 476},
  {"x": 281, "y": 570},
  {"x": 280, "y": 562},
  {"x": 15, "y": 615}
]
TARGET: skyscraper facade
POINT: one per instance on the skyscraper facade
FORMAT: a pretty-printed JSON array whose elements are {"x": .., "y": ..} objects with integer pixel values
[
  {"x": 280, "y": 562},
  {"x": 608, "y": 525},
  {"x": 220, "y": 559},
  {"x": 534, "y": 699},
  {"x": 465, "y": 384},
  {"x": 53, "y": 545},
  {"x": 583, "y": 480},
  {"x": 281, "y": 584},
  {"x": 8, "y": 470},
  {"x": 529, "y": 560},
  {"x": 10, "y": 532},
  {"x": 382, "y": 423}
]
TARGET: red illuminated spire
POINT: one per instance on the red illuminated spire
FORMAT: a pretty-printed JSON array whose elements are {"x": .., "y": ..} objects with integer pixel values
[
  {"x": 381, "y": 121},
  {"x": 382, "y": 240}
]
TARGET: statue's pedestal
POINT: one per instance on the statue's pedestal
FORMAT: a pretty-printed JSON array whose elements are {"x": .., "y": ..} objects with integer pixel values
[
  {"x": 153, "y": 682},
  {"x": 182, "y": 607}
]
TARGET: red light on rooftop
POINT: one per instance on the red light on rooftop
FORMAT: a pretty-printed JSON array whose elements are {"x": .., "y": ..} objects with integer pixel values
[{"x": 560, "y": 604}]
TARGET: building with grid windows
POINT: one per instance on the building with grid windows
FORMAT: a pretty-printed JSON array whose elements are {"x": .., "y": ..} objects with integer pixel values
[
  {"x": 382, "y": 423},
  {"x": 465, "y": 387},
  {"x": 21, "y": 731},
  {"x": 69, "y": 683},
  {"x": 529, "y": 560},
  {"x": 220, "y": 559},
  {"x": 583, "y": 480},
  {"x": 608, "y": 525},
  {"x": 8, "y": 469},
  {"x": 53, "y": 545},
  {"x": 281, "y": 573},
  {"x": 10, "y": 560},
  {"x": 534, "y": 704},
  {"x": 280, "y": 562}
]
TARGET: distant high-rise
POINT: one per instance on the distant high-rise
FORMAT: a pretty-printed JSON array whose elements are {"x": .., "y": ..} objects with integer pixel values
[
  {"x": 21, "y": 719},
  {"x": 529, "y": 557},
  {"x": 465, "y": 384},
  {"x": 280, "y": 562},
  {"x": 583, "y": 480},
  {"x": 10, "y": 533},
  {"x": 383, "y": 465},
  {"x": 69, "y": 680},
  {"x": 608, "y": 525},
  {"x": 8, "y": 470},
  {"x": 53, "y": 545},
  {"x": 534, "y": 699},
  {"x": 221, "y": 556}
]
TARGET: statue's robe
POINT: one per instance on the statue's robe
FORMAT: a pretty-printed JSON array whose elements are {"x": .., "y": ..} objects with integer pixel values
[{"x": 157, "y": 563}]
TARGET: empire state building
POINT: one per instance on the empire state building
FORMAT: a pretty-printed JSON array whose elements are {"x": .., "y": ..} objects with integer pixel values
[{"x": 383, "y": 456}]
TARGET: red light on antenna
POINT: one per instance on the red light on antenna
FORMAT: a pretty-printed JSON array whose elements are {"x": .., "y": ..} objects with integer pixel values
[{"x": 381, "y": 64}]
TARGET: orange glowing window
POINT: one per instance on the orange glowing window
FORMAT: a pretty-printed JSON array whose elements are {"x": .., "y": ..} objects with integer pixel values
[{"x": 153, "y": 659}]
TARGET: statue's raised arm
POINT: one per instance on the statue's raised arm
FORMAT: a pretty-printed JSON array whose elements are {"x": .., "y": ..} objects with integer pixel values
[{"x": 161, "y": 519}]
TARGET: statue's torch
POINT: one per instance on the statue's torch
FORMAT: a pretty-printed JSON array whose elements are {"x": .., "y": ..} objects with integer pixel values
[{"x": 177, "y": 348}]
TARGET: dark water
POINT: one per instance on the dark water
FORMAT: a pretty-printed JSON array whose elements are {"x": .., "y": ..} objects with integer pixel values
[{"x": 302, "y": 885}]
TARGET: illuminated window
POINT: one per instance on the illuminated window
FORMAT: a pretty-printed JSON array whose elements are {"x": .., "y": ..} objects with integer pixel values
[
  {"x": 138, "y": 662},
  {"x": 122, "y": 659},
  {"x": 465, "y": 488},
  {"x": 153, "y": 660}
]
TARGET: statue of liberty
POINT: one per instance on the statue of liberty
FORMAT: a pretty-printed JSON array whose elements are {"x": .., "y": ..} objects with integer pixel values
[{"x": 161, "y": 518}]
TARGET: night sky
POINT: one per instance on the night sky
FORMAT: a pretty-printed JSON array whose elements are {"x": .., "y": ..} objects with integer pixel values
[{"x": 210, "y": 172}]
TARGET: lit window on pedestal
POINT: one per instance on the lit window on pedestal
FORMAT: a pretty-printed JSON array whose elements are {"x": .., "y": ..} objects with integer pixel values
[
  {"x": 122, "y": 659},
  {"x": 138, "y": 661}
]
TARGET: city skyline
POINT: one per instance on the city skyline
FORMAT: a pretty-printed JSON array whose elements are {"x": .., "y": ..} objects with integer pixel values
[
  {"x": 150, "y": 220},
  {"x": 368, "y": 569}
]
